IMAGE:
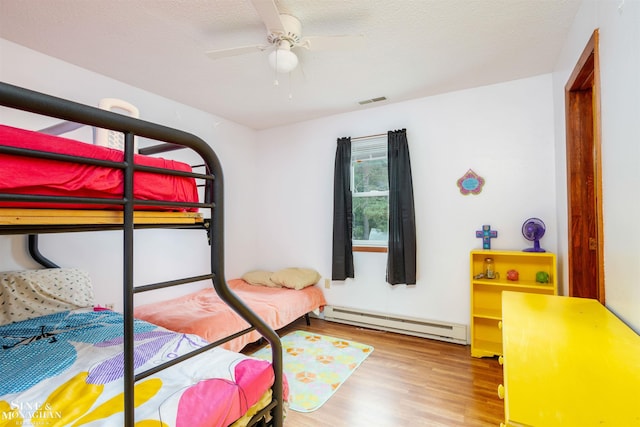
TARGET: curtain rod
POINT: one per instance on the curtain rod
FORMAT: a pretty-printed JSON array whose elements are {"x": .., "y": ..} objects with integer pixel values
[{"x": 369, "y": 136}]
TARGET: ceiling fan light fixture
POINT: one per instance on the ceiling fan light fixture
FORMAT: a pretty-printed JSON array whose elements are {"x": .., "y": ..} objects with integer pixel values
[{"x": 283, "y": 60}]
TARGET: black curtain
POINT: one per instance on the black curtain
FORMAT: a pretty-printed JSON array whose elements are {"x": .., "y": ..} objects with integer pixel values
[
  {"x": 401, "y": 260},
  {"x": 342, "y": 264}
]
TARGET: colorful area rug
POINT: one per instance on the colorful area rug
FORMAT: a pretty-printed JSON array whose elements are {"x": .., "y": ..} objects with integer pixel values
[{"x": 315, "y": 366}]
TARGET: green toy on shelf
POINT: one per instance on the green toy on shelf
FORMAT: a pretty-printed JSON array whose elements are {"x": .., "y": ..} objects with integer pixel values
[{"x": 542, "y": 277}]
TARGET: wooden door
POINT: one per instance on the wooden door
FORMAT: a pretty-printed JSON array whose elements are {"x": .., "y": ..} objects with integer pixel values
[{"x": 584, "y": 185}]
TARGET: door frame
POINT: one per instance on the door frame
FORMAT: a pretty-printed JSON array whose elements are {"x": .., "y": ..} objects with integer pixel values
[{"x": 583, "y": 127}]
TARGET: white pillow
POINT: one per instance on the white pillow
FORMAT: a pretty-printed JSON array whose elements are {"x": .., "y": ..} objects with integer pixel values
[
  {"x": 32, "y": 293},
  {"x": 295, "y": 278}
]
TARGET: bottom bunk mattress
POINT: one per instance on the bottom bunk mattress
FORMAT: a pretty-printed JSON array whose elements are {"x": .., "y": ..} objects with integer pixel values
[
  {"x": 67, "y": 369},
  {"x": 203, "y": 312}
]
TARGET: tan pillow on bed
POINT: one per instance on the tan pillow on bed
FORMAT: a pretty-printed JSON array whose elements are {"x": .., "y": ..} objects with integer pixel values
[
  {"x": 295, "y": 278},
  {"x": 261, "y": 278},
  {"x": 32, "y": 293}
]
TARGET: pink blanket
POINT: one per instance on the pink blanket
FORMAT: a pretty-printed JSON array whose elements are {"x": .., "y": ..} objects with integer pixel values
[
  {"x": 204, "y": 314},
  {"x": 28, "y": 175}
]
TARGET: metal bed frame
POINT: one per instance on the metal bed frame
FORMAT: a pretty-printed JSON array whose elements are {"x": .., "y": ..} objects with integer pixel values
[{"x": 170, "y": 139}]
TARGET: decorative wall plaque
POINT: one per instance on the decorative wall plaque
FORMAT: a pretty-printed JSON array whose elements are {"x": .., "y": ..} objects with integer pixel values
[{"x": 470, "y": 183}]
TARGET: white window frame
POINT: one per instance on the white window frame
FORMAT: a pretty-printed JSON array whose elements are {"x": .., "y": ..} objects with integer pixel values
[{"x": 359, "y": 147}]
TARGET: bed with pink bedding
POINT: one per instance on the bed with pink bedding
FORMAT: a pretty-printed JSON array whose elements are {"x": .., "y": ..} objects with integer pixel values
[{"x": 204, "y": 314}]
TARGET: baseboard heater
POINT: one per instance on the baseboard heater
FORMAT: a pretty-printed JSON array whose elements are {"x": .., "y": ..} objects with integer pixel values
[{"x": 450, "y": 332}]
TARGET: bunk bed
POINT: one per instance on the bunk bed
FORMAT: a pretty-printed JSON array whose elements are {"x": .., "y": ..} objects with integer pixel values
[{"x": 52, "y": 209}]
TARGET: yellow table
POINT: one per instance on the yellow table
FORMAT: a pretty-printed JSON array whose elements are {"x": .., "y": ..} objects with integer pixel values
[{"x": 568, "y": 362}]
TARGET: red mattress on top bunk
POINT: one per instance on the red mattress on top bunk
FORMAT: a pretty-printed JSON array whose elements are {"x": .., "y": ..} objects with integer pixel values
[{"x": 33, "y": 176}]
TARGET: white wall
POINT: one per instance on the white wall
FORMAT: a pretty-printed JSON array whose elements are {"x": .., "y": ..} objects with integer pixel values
[
  {"x": 619, "y": 28},
  {"x": 503, "y": 132},
  {"x": 279, "y": 181},
  {"x": 159, "y": 254}
]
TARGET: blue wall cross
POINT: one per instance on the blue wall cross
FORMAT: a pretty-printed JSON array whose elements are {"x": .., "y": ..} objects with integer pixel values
[{"x": 486, "y": 234}]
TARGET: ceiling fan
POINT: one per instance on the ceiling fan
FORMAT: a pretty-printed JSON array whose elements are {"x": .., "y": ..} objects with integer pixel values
[{"x": 284, "y": 33}]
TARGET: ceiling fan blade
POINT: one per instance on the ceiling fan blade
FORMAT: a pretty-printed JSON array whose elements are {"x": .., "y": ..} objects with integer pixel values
[
  {"x": 269, "y": 14},
  {"x": 235, "y": 51},
  {"x": 333, "y": 42}
]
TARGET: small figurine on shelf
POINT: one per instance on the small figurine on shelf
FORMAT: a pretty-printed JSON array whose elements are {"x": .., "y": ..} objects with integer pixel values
[{"x": 513, "y": 275}]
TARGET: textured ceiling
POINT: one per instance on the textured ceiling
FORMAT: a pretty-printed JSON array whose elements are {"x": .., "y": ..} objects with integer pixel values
[{"x": 413, "y": 48}]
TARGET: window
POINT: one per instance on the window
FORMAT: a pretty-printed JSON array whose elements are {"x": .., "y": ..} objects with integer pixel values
[{"x": 370, "y": 192}]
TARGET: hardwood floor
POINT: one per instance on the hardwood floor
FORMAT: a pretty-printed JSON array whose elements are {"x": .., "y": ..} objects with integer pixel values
[{"x": 406, "y": 381}]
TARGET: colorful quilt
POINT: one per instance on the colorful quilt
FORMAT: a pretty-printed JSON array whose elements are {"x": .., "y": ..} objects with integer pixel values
[{"x": 66, "y": 369}]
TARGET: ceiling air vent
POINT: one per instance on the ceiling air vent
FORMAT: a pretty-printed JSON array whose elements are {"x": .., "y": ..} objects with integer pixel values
[{"x": 369, "y": 101}]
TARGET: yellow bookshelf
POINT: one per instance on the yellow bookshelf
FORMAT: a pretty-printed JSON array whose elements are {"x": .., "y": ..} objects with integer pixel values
[{"x": 486, "y": 294}]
